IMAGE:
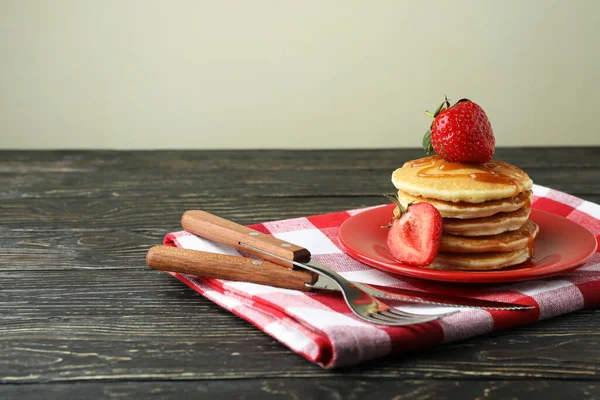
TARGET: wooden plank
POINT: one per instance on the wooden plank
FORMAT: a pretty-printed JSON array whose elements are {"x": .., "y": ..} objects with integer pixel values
[
  {"x": 64, "y": 326},
  {"x": 349, "y": 159},
  {"x": 162, "y": 183},
  {"x": 115, "y": 233},
  {"x": 316, "y": 388},
  {"x": 148, "y": 213},
  {"x": 77, "y": 249},
  {"x": 205, "y": 174}
]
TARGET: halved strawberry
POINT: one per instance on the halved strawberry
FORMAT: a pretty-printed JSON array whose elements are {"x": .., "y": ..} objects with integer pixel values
[{"x": 415, "y": 235}]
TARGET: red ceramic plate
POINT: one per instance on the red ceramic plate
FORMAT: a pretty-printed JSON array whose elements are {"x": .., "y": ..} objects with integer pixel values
[{"x": 561, "y": 245}]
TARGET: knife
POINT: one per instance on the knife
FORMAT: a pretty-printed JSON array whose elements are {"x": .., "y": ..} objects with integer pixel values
[
  {"x": 235, "y": 268},
  {"x": 415, "y": 296}
]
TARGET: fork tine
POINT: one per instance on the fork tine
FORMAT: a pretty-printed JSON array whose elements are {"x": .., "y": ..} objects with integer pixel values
[
  {"x": 384, "y": 320},
  {"x": 380, "y": 319},
  {"x": 381, "y": 316},
  {"x": 388, "y": 316},
  {"x": 404, "y": 318}
]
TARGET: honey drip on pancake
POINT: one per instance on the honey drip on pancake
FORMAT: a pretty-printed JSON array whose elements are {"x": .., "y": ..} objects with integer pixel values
[
  {"x": 530, "y": 242},
  {"x": 488, "y": 172},
  {"x": 527, "y": 202}
]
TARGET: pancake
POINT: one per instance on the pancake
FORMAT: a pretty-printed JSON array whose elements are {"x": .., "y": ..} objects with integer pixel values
[
  {"x": 492, "y": 225},
  {"x": 507, "y": 241},
  {"x": 479, "y": 261},
  {"x": 485, "y": 226},
  {"x": 470, "y": 210},
  {"x": 434, "y": 178}
]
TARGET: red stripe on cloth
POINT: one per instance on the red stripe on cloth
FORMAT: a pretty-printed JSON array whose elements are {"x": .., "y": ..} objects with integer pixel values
[
  {"x": 333, "y": 220},
  {"x": 564, "y": 198},
  {"x": 259, "y": 228},
  {"x": 415, "y": 337},
  {"x": 509, "y": 319},
  {"x": 552, "y": 206},
  {"x": 591, "y": 293}
]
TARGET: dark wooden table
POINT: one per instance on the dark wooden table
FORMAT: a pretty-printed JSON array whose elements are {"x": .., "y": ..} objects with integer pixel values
[{"x": 82, "y": 317}]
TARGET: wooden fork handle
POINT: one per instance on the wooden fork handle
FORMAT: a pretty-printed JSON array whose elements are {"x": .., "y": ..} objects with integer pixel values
[
  {"x": 220, "y": 266},
  {"x": 221, "y": 230}
]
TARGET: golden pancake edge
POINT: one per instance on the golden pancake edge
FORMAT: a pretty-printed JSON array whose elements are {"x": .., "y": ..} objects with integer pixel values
[
  {"x": 434, "y": 178},
  {"x": 506, "y": 241},
  {"x": 479, "y": 261},
  {"x": 465, "y": 210}
]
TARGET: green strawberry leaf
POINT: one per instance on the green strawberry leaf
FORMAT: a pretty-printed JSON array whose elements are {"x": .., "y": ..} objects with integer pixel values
[
  {"x": 427, "y": 142},
  {"x": 439, "y": 109}
]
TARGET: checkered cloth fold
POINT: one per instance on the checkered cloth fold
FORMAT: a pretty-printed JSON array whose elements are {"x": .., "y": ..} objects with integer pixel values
[{"x": 320, "y": 327}]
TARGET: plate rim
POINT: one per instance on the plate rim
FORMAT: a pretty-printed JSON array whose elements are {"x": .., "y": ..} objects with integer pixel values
[{"x": 474, "y": 277}]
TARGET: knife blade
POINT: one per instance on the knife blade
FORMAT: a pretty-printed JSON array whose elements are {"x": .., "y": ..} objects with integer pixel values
[{"x": 417, "y": 297}]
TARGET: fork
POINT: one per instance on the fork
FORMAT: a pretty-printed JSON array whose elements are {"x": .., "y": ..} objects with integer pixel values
[
  {"x": 360, "y": 302},
  {"x": 235, "y": 268},
  {"x": 293, "y": 257}
]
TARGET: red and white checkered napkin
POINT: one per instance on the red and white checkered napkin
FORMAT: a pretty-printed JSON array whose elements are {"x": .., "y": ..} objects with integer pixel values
[{"x": 321, "y": 327}]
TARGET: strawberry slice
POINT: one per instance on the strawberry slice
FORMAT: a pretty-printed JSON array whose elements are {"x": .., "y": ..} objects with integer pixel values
[{"x": 415, "y": 234}]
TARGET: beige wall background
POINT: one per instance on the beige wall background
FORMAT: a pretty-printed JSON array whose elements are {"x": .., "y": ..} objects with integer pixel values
[{"x": 292, "y": 74}]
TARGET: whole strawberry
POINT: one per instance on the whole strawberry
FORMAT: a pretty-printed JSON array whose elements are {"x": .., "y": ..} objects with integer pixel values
[
  {"x": 415, "y": 234},
  {"x": 460, "y": 133}
]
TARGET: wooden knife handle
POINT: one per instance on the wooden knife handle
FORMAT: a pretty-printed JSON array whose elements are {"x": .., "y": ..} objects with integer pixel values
[
  {"x": 221, "y": 266},
  {"x": 221, "y": 230}
]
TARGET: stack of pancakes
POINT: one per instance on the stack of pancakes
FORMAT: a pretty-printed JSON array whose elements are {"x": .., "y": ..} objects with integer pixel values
[{"x": 485, "y": 210}]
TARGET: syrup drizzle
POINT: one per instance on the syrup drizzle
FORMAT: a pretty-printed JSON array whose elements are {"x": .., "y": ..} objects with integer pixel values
[
  {"x": 527, "y": 201},
  {"x": 530, "y": 243},
  {"x": 490, "y": 172}
]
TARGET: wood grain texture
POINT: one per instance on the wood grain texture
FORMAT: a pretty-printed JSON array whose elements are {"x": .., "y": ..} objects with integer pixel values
[
  {"x": 98, "y": 325},
  {"x": 257, "y": 173},
  {"x": 82, "y": 317},
  {"x": 143, "y": 213},
  {"x": 241, "y": 183},
  {"x": 313, "y": 388},
  {"x": 67, "y": 160}
]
